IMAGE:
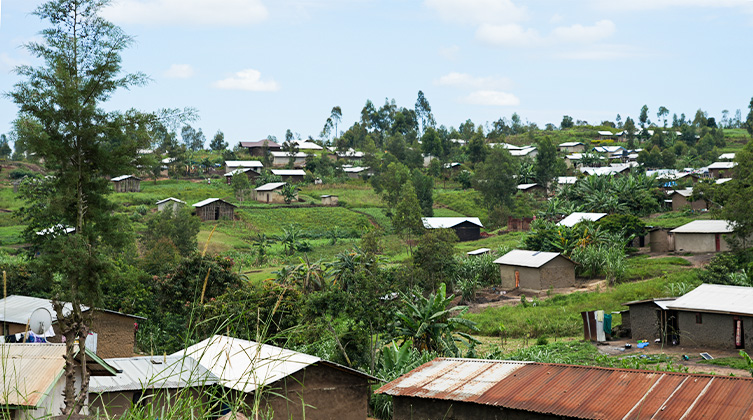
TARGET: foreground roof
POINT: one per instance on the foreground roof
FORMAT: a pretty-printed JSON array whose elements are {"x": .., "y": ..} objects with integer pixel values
[
  {"x": 448, "y": 222},
  {"x": 138, "y": 373},
  {"x": 16, "y": 309},
  {"x": 525, "y": 258},
  {"x": 705, "y": 226},
  {"x": 716, "y": 298},
  {"x": 581, "y": 392},
  {"x": 578, "y": 217},
  {"x": 260, "y": 143}
]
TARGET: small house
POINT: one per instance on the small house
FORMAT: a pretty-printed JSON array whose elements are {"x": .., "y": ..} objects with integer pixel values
[
  {"x": 702, "y": 236},
  {"x": 531, "y": 189},
  {"x": 307, "y": 145},
  {"x": 522, "y": 224},
  {"x": 283, "y": 158},
  {"x": 256, "y": 148},
  {"x": 250, "y": 173},
  {"x": 480, "y": 251},
  {"x": 571, "y": 147},
  {"x": 355, "y": 172},
  {"x": 270, "y": 193},
  {"x": 126, "y": 183},
  {"x": 577, "y": 217},
  {"x": 660, "y": 240},
  {"x": 536, "y": 271},
  {"x": 170, "y": 203},
  {"x": 350, "y": 154},
  {"x": 529, "y": 152},
  {"x": 721, "y": 169},
  {"x": 232, "y": 165},
  {"x": 681, "y": 199},
  {"x": 329, "y": 200},
  {"x": 296, "y": 385},
  {"x": 651, "y": 319},
  {"x": 467, "y": 228},
  {"x": 290, "y": 175},
  {"x": 214, "y": 209}
]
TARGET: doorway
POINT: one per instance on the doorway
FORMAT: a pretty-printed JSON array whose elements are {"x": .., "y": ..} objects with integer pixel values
[
  {"x": 739, "y": 333},
  {"x": 217, "y": 213}
]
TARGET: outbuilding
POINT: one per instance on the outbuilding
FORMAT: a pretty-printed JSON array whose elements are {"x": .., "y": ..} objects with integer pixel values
[
  {"x": 249, "y": 173},
  {"x": 535, "y": 270},
  {"x": 270, "y": 193},
  {"x": 702, "y": 236},
  {"x": 651, "y": 319},
  {"x": 290, "y": 175},
  {"x": 721, "y": 169},
  {"x": 329, "y": 200},
  {"x": 571, "y": 147},
  {"x": 283, "y": 158},
  {"x": 467, "y": 228},
  {"x": 232, "y": 165},
  {"x": 681, "y": 199},
  {"x": 257, "y": 148},
  {"x": 170, "y": 203},
  {"x": 126, "y": 183},
  {"x": 214, "y": 209}
]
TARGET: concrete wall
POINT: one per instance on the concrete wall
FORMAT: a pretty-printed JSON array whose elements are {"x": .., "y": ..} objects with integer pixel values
[
  {"x": 572, "y": 149},
  {"x": 270, "y": 197},
  {"x": 317, "y": 392},
  {"x": 699, "y": 242},
  {"x": 556, "y": 274},
  {"x": 644, "y": 321},
  {"x": 679, "y": 202},
  {"x": 714, "y": 331},
  {"x": 661, "y": 241},
  {"x": 407, "y": 408}
]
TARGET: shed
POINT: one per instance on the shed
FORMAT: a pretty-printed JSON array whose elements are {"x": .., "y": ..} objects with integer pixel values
[
  {"x": 126, "y": 183},
  {"x": 480, "y": 251},
  {"x": 571, "y": 147},
  {"x": 355, "y": 172},
  {"x": 270, "y": 193},
  {"x": 681, "y": 199},
  {"x": 250, "y": 173},
  {"x": 577, "y": 217},
  {"x": 660, "y": 240},
  {"x": 522, "y": 224},
  {"x": 283, "y": 158},
  {"x": 721, "y": 169},
  {"x": 290, "y": 175},
  {"x": 702, "y": 236},
  {"x": 535, "y": 270},
  {"x": 232, "y": 165},
  {"x": 170, "y": 203},
  {"x": 256, "y": 148},
  {"x": 470, "y": 389},
  {"x": 531, "y": 188},
  {"x": 290, "y": 379},
  {"x": 214, "y": 209},
  {"x": 467, "y": 228},
  {"x": 529, "y": 152},
  {"x": 158, "y": 381},
  {"x": 329, "y": 200},
  {"x": 115, "y": 331},
  {"x": 651, "y": 319}
]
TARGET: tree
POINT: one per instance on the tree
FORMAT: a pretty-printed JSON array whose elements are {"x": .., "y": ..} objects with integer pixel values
[
  {"x": 749, "y": 119},
  {"x": 740, "y": 190},
  {"x": 629, "y": 128},
  {"x": 289, "y": 192},
  {"x": 430, "y": 258},
  {"x": 407, "y": 218},
  {"x": 567, "y": 122},
  {"x": 662, "y": 114},
  {"x": 176, "y": 224},
  {"x": 5, "y": 150},
  {"x": 240, "y": 185},
  {"x": 423, "y": 111},
  {"x": 389, "y": 183},
  {"x": 335, "y": 117},
  {"x": 477, "y": 148},
  {"x": 643, "y": 117},
  {"x": 62, "y": 120},
  {"x": 495, "y": 178},
  {"x": 291, "y": 149},
  {"x": 431, "y": 143},
  {"x": 194, "y": 140},
  {"x": 218, "y": 141},
  {"x": 424, "y": 187},
  {"x": 548, "y": 165}
]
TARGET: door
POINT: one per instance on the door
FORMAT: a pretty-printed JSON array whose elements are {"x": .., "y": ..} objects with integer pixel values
[
  {"x": 217, "y": 213},
  {"x": 739, "y": 333},
  {"x": 517, "y": 279},
  {"x": 717, "y": 239}
]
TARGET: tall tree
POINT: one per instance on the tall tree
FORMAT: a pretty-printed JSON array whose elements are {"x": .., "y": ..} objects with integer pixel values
[
  {"x": 662, "y": 114},
  {"x": 548, "y": 165},
  {"x": 423, "y": 111},
  {"x": 407, "y": 218},
  {"x": 567, "y": 122},
  {"x": 749, "y": 120},
  {"x": 218, "y": 141},
  {"x": 643, "y": 117},
  {"x": 5, "y": 150},
  {"x": 194, "y": 140},
  {"x": 431, "y": 143},
  {"x": 62, "y": 120},
  {"x": 629, "y": 128},
  {"x": 495, "y": 178},
  {"x": 740, "y": 191},
  {"x": 424, "y": 187},
  {"x": 336, "y": 115}
]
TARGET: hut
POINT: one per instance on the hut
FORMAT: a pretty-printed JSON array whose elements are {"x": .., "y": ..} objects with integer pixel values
[
  {"x": 522, "y": 224},
  {"x": 126, "y": 183},
  {"x": 270, "y": 193},
  {"x": 214, "y": 209},
  {"x": 467, "y": 228},
  {"x": 283, "y": 158},
  {"x": 651, "y": 319},
  {"x": 290, "y": 380},
  {"x": 290, "y": 175},
  {"x": 571, "y": 147},
  {"x": 232, "y": 165},
  {"x": 535, "y": 271},
  {"x": 250, "y": 173},
  {"x": 660, "y": 240},
  {"x": 329, "y": 200},
  {"x": 256, "y": 148},
  {"x": 721, "y": 169},
  {"x": 170, "y": 203},
  {"x": 531, "y": 189},
  {"x": 702, "y": 236},
  {"x": 681, "y": 199}
]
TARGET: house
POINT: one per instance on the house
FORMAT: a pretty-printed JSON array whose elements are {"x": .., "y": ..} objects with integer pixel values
[
  {"x": 250, "y": 173},
  {"x": 609, "y": 149},
  {"x": 606, "y": 171},
  {"x": 571, "y": 147},
  {"x": 113, "y": 332},
  {"x": 170, "y": 203},
  {"x": 214, "y": 209},
  {"x": 307, "y": 145},
  {"x": 126, "y": 183},
  {"x": 33, "y": 379},
  {"x": 154, "y": 380},
  {"x": 531, "y": 189},
  {"x": 467, "y": 228},
  {"x": 721, "y": 169},
  {"x": 256, "y": 148},
  {"x": 575, "y": 159},
  {"x": 529, "y": 152},
  {"x": 290, "y": 175},
  {"x": 702, "y": 236},
  {"x": 288, "y": 379},
  {"x": 727, "y": 156},
  {"x": 578, "y": 217},
  {"x": 329, "y": 200},
  {"x": 522, "y": 224},
  {"x": 605, "y": 135},
  {"x": 535, "y": 270},
  {"x": 480, "y": 251},
  {"x": 350, "y": 154},
  {"x": 355, "y": 172},
  {"x": 651, "y": 319},
  {"x": 714, "y": 315},
  {"x": 660, "y": 240},
  {"x": 270, "y": 193},
  {"x": 681, "y": 198},
  {"x": 283, "y": 158},
  {"x": 232, "y": 165},
  {"x": 466, "y": 389}
]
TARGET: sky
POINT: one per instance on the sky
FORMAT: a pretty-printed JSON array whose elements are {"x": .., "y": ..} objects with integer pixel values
[{"x": 253, "y": 68}]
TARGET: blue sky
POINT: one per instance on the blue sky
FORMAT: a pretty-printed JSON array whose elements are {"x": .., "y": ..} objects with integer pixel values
[{"x": 254, "y": 68}]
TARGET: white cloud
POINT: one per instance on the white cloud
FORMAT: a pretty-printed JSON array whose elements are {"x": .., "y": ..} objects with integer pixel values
[
  {"x": 187, "y": 12},
  {"x": 584, "y": 34},
  {"x": 450, "y": 53},
  {"x": 512, "y": 35},
  {"x": 602, "y": 53},
  {"x": 516, "y": 36},
  {"x": 179, "y": 71},
  {"x": 248, "y": 79},
  {"x": 556, "y": 18},
  {"x": 464, "y": 80},
  {"x": 476, "y": 12},
  {"x": 663, "y": 4},
  {"x": 491, "y": 98}
]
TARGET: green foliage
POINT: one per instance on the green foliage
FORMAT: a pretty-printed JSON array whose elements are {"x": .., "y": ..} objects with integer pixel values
[
  {"x": 494, "y": 178},
  {"x": 389, "y": 183},
  {"x": 627, "y": 225},
  {"x": 726, "y": 268},
  {"x": 241, "y": 186},
  {"x": 432, "y": 257},
  {"x": 548, "y": 165},
  {"x": 740, "y": 189},
  {"x": 175, "y": 224},
  {"x": 424, "y": 188},
  {"x": 407, "y": 217},
  {"x": 289, "y": 192}
]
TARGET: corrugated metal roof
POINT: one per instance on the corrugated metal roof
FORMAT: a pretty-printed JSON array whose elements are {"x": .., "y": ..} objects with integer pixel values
[
  {"x": 56, "y": 230},
  {"x": 171, "y": 199},
  {"x": 288, "y": 172},
  {"x": 287, "y": 154},
  {"x": 524, "y": 187},
  {"x": 153, "y": 372},
  {"x": 243, "y": 164},
  {"x": 576, "y": 218},
  {"x": 582, "y": 392},
  {"x": 687, "y": 192},
  {"x": 210, "y": 201},
  {"x": 716, "y": 298},
  {"x": 17, "y": 309},
  {"x": 524, "y": 258},
  {"x": 723, "y": 180},
  {"x": 354, "y": 169},
  {"x": 478, "y": 251},
  {"x": 448, "y": 222},
  {"x": 260, "y": 143},
  {"x": 522, "y": 152},
  {"x": 727, "y": 156},
  {"x": 122, "y": 177},
  {"x": 570, "y": 144},
  {"x": 566, "y": 180},
  {"x": 660, "y": 302},
  {"x": 29, "y": 372},
  {"x": 722, "y": 165},
  {"x": 271, "y": 186},
  {"x": 705, "y": 226}
]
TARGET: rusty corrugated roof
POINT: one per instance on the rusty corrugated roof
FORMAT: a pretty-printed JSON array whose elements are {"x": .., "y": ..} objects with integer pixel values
[
  {"x": 29, "y": 372},
  {"x": 578, "y": 391}
]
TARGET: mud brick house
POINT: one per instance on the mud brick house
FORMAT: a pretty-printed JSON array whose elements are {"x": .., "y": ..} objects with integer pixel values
[
  {"x": 289, "y": 379},
  {"x": 114, "y": 332},
  {"x": 126, "y": 183},
  {"x": 170, "y": 203},
  {"x": 535, "y": 271},
  {"x": 719, "y": 170},
  {"x": 270, "y": 193},
  {"x": 702, "y": 236},
  {"x": 681, "y": 199},
  {"x": 214, "y": 209},
  {"x": 651, "y": 319},
  {"x": 571, "y": 147},
  {"x": 290, "y": 175},
  {"x": 256, "y": 148},
  {"x": 250, "y": 173},
  {"x": 467, "y": 228}
]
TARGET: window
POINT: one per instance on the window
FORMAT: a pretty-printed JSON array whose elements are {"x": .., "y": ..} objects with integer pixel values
[{"x": 698, "y": 318}]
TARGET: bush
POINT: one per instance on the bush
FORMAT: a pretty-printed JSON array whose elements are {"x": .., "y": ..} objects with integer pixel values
[{"x": 20, "y": 173}]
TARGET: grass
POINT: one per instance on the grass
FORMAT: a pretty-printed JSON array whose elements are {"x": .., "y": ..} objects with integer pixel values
[
  {"x": 188, "y": 191},
  {"x": 9, "y": 200},
  {"x": 511, "y": 240},
  {"x": 377, "y": 215},
  {"x": 673, "y": 219},
  {"x": 465, "y": 202},
  {"x": 11, "y": 235},
  {"x": 313, "y": 221},
  {"x": 643, "y": 267},
  {"x": 733, "y": 362},
  {"x": 354, "y": 193}
]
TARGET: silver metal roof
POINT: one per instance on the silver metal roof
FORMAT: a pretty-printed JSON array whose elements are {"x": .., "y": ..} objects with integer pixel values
[
  {"x": 243, "y": 164},
  {"x": 716, "y": 298},
  {"x": 448, "y": 222},
  {"x": 722, "y": 165},
  {"x": 705, "y": 226},
  {"x": 578, "y": 217},
  {"x": 478, "y": 251},
  {"x": 567, "y": 179},
  {"x": 30, "y": 372},
  {"x": 687, "y": 192},
  {"x": 17, "y": 309},
  {"x": 56, "y": 230},
  {"x": 271, "y": 186},
  {"x": 140, "y": 373},
  {"x": 522, "y": 152},
  {"x": 209, "y": 201},
  {"x": 171, "y": 199},
  {"x": 239, "y": 171},
  {"x": 723, "y": 180},
  {"x": 525, "y": 258},
  {"x": 122, "y": 177},
  {"x": 570, "y": 144},
  {"x": 727, "y": 156},
  {"x": 354, "y": 169},
  {"x": 524, "y": 187},
  {"x": 288, "y": 172}
]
